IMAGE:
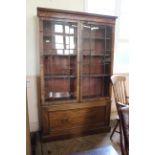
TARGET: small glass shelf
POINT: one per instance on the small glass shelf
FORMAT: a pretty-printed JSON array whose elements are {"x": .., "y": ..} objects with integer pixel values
[
  {"x": 60, "y": 96},
  {"x": 58, "y": 55},
  {"x": 96, "y": 38},
  {"x": 95, "y": 75},
  {"x": 52, "y": 35},
  {"x": 59, "y": 76}
]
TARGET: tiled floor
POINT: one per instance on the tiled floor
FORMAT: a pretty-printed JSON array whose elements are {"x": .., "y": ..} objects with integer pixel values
[{"x": 79, "y": 144}]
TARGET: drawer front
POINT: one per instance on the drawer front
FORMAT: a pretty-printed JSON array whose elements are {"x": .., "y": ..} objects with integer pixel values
[{"x": 60, "y": 120}]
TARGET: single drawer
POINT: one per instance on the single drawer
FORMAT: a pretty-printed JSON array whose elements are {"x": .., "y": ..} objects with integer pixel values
[{"x": 60, "y": 120}]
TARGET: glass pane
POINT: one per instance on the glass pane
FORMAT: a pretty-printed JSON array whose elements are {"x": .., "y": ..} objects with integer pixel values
[
  {"x": 60, "y": 60},
  {"x": 66, "y": 29},
  {"x": 59, "y": 46},
  {"x": 86, "y": 31},
  {"x": 107, "y": 68},
  {"x": 60, "y": 52},
  {"x": 71, "y": 31},
  {"x": 85, "y": 87},
  {"x": 58, "y": 28},
  {"x": 96, "y": 41},
  {"x": 98, "y": 32},
  {"x": 66, "y": 52},
  {"x": 108, "y": 32},
  {"x": 108, "y": 45},
  {"x": 86, "y": 65},
  {"x": 60, "y": 89},
  {"x": 72, "y": 44},
  {"x": 92, "y": 87},
  {"x": 59, "y": 39},
  {"x": 106, "y": 83},
  {"x": 54, "y": 67},
  {"x": 59, "y": 36},
  {"x": 97, "y": 65},
  {"x": 47, "y": 28},
  {"x": 67, "y": 39}
]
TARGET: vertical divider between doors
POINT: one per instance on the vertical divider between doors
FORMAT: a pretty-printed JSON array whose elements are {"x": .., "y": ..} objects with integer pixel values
[
  {"x": 112, "y": 58},
  {"x": 79, "y": 60}
]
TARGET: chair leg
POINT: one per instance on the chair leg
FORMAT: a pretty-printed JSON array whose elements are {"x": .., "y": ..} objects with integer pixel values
[
  {"x": 121, "y": 140},
  {"x": 117, "y": 123},
  {"x": 123, "y": 151}
]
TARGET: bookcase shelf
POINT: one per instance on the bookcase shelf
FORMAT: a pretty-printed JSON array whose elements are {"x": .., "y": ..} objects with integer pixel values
[
  {"x": 96, "y": 38},
  {"x": 59, "y": 76},
  {"x": 95, "y": 75},
  {"x": 59, "y": 55}
]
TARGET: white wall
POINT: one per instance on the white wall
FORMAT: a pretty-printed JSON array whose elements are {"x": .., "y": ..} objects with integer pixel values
[
  {"x": 32, "y": 51},
  {"x": 120, "y": 9}
]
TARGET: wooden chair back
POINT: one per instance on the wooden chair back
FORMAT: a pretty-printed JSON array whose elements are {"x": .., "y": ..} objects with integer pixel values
[{"x": 119, "y": 87}]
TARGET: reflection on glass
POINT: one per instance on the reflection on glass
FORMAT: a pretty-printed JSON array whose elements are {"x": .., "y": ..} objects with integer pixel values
[
  {"x": 66, "y": 39},
  {"x": 66, "y": 52},
  {"x": 94, "y": 28},
  {"x": 66, "y": 29},
  {"x": 59, "y": 94},
  {"x": 70, "y": 42},
  {"x": 74, "y": 25},
  {"x": 59, "y": 39},
  {"x": 60, "y": 52},
  {"x": 67, "y": 46},
  {"x": 59, "y": 46},
  {"x": 71, "y": 31},
  {"x": 47, "y": 41},
  {"x": 86, "y": 26},
  {"x": 58, "y": 28},
  {"x": 71, "y": 52},
  {"x": 72, "y": 46}
]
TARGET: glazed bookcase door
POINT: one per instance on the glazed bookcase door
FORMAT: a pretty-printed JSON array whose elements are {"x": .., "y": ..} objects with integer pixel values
[
  {"x": 59, "y": 60},
  {"x": 96, "y": 60}
]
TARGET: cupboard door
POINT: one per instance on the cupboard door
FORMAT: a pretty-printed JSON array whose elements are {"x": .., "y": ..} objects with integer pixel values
[
  {"x": 96, "y": 60},
  {"x": 60, "y": 120},
  {"x": 60, "y": 60}
]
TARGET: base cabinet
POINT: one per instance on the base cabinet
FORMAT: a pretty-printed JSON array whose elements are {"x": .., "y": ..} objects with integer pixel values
[{"x": 58, "y": 124}]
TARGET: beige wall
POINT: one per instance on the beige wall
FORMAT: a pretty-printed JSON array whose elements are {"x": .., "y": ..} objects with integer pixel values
[
  {"x": 32, "y": 51},
  {"x": 28, "y": 138},
  {"x": 33, "y": 100}
]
